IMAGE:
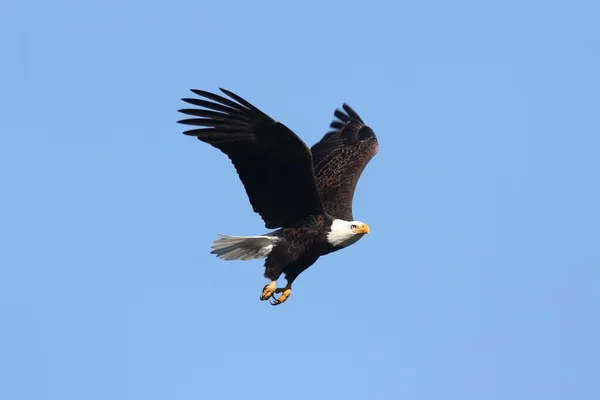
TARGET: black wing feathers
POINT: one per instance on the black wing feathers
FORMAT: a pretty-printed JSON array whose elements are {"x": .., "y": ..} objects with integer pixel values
[
  {"x": 274, "y": 165},
  {"x": 339, "y": 159}
]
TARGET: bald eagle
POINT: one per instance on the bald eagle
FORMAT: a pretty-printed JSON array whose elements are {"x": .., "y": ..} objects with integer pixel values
[{"x": 304, "y": 194}]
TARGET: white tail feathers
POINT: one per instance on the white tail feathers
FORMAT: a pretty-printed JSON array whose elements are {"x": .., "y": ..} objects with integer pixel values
[{"x": 243, "y": 247}]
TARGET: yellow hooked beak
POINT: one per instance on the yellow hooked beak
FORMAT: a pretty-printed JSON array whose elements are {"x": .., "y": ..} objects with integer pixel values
[{"x": 364, "y": 228}]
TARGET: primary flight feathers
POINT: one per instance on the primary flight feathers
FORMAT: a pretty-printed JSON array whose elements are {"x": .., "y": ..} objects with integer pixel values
[{"x": 284, "y": 179}]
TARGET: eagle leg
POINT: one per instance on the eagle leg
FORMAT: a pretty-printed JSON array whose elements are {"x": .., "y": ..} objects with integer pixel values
[
  {"x": 285, "y": 293},
  {"x": 268, "y": 290}
]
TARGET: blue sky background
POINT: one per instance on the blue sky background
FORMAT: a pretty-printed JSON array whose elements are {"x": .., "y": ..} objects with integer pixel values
[{"x": 479, "y": 280}]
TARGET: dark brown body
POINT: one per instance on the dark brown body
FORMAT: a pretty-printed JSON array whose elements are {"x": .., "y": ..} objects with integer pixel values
[{"x": 299, "y": 247}]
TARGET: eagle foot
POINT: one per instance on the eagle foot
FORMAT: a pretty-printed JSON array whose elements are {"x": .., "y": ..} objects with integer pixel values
[
  {"x": 285, "y": 293},
  {"x": 268, "y": 290}
]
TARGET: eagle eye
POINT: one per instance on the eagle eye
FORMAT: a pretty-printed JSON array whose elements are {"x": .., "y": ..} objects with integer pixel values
[{"x": 352, "y": 226}]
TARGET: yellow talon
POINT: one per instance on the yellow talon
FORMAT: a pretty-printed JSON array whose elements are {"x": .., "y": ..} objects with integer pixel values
[
  {"x": 268, "y": 290},
  {"x": 285, "y": 293}
]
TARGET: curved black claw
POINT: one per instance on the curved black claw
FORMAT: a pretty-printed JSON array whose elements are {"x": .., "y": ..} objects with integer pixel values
[
  {"x": 276, "y": 302},
  {"x": 262, "y": 296}
]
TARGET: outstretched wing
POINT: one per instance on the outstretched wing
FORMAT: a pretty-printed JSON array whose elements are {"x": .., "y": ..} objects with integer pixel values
[
  {"x": 340, "y": 158},
  {"x": 274, "y": 165}
]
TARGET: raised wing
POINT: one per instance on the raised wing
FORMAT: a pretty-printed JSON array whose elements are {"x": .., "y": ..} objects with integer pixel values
[
  {"x": 274, "y": 165},
  {"x": 340, "y": 158}
]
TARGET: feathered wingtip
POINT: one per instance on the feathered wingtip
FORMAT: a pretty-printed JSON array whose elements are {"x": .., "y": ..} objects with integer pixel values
[
  {"x": 353, "y": 114},
  {"x": 222, "y": 120},
  {"x": 344, "y": 118}
]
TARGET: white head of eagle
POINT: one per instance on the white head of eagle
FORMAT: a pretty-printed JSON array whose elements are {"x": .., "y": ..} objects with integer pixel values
[
  {"x": 344, "y": 233},
  {"x": 304, "y": 193}
]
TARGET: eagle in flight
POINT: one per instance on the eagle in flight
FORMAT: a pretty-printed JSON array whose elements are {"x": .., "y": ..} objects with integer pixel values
[{"x": 304, "y": 195}]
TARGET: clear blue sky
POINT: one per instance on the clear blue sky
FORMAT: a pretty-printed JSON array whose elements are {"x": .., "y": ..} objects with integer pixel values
[{"x": 479, "y": 280}]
